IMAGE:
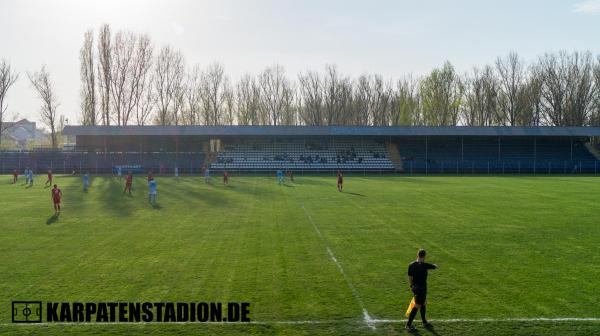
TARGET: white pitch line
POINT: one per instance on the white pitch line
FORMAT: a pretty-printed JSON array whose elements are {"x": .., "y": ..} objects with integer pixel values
[
  {"x": 300, "y": 322},
  {"x": 509, "y": 319},
  {"x": 366, "y": 317}
]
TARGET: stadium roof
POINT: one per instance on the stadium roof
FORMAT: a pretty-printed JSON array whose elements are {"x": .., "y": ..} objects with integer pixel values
[{"x": 329, "y": 131}]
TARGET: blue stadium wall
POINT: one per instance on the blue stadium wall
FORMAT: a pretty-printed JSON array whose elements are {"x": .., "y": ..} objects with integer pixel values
[{"x": 423, "y": 150}]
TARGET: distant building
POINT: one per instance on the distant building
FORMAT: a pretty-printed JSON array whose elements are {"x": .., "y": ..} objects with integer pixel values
[{"x": 20, "y": 131}]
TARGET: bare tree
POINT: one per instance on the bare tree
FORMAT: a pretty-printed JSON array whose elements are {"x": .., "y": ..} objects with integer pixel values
[
  {"x": 192, "y": 96},
  {"x": 567, "y": 88},
  {"x": 88, "y": 80},
  {"x": 289, "y": 113},
  {"x": 337, "y": 95},
  {"x": 7, "y": 79},
  {"x": 168, "y": 75},
  {"x": 229, "y": 106},
  {"x": 121, "y": 76},
  {"x": 214, "y": 83},
  {"x": 137, "y": 78},
  {"x": 362, "y": 101},
  {"x": 104, "y": 72},
  {"x": 43, "y": 86},
  {"x": 480, "y": 107},
  {"x": 146, "y": 103},
  {"x": 595, "y": 118},
  {"x": 311, "y": 98},
  {"x": 511, "y": 76},
  {"x": 381, "y": 101},
  {"x": 530, "y": 99},
  {"x": 248, "y": 101},
  {"x": 276, "y": 95},
  {"x": 408, "y": 112},
  {"x": 177, "y": 110},
  {"x": 580, "y": 92}
]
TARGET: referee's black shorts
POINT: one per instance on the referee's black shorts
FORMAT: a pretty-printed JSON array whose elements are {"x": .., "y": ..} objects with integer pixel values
[{"x": 420, "y": 295}]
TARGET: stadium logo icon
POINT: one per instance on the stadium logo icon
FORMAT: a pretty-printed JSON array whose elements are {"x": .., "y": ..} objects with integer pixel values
[{"x": 27, "y": 311}]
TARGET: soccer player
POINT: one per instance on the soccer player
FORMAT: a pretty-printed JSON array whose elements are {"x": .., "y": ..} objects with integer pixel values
[
  {"x": 128, "y": 183},
  {"x": 26, "y": 173},
  {"x": 150, "y": 176},
  {"x": 207, "y": 175},
  {"x": 49, "y": 180},
  {"x": 152, "y": 192},
  {"x": 30, "y": 177},
  {"x": 15, "y": 176},
  {"x": 177, "y": 173},
  {"x": 56, "y": 195},
  {"x": 280, "y": 177},
  {"x": 86, "y": 181},
  {"x": 225, "y": 178},
  {"x": 417, "y": 279},
  {"x": 291, "y": 174},
  {"x": 340, "y": 181},
  {"x": 119, "y": 172}
]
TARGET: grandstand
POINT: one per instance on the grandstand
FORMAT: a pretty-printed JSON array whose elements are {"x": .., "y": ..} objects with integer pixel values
[
  {"x": 496, "y": 155},
  {"x": 312, "y": 155},
  {"x": 263, "y": 149}
]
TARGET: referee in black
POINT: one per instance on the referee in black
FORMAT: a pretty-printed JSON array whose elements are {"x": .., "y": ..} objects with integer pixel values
[{"x": 417, "y": 279}]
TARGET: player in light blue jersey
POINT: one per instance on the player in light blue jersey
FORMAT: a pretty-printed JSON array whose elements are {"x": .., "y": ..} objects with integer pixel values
[
  {"x": 86, "y": 181},
  {"x": 207, "y": 175},
  {"x": 280, "y": 177},
  {"x": 26, "y": 174},
  {"x": 152, "y": 192},
  {"x": 30, "y": 177},
  {"x": 177, "y": 173},
  {"x": 119, "y": 172}
]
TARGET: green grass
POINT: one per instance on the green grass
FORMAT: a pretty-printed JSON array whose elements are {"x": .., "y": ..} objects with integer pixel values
[{"x": 507, "y": 247}]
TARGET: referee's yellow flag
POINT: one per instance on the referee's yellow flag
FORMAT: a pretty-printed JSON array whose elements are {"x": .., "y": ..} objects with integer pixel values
[{"x": 410, "y": 307}]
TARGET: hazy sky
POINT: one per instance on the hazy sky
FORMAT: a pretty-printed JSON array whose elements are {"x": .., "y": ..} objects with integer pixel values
[{"x": 392, "y": 38}]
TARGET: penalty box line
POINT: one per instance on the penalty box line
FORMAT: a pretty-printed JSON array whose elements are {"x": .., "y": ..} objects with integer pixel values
[
  {"x": 366, "y": 317},
  {"x": 300, "y": 322}
]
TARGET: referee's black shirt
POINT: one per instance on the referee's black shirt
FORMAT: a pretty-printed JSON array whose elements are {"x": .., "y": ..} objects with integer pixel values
[{"x": 418, "y": 270}]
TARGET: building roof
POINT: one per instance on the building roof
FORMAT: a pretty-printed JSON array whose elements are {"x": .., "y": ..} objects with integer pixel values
[{"x": 330, "y": 131}]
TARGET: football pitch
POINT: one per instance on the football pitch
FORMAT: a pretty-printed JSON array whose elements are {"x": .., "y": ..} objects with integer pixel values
[{"x": 517, "y": 255}]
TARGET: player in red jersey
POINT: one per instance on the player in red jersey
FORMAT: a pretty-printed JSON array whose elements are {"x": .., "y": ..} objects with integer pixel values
[
  {"x": 128, "y": 183},
  {"x": 150, "y": 176},
  {"x": 15, "y": 175},
  {"x": 340, "y": 179},
  {"x": 225, "y": 178},
  {"x": 56, "y": 195},
  {"x": 49, "y": 180}
]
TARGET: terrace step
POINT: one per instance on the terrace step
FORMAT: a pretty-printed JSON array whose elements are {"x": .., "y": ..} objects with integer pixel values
[
  {"x": 595, "y": 152},
  {"x": 394, "y": 155}
]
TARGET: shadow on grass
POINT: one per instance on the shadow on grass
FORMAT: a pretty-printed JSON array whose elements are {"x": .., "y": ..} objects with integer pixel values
[
  {"x": 113, "y": 198},
  {"x": 29, "y": 186},
  {"x": 400, "y": 328},
  {"x": 431, "y": 330},
  {"x": 213, "y": 196},
  {"x": 355, "y": 194},
  {"x": 311, "y": 180},
  {"x": 421, "y": 180},
  {"x": 52, "y": 219}
]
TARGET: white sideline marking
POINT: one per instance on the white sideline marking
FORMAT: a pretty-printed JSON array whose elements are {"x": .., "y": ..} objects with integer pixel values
[
  {"x": 300, "y": 322},
  {"x": 357, "y": 297},
  {"x": 509, "y": 319}
]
